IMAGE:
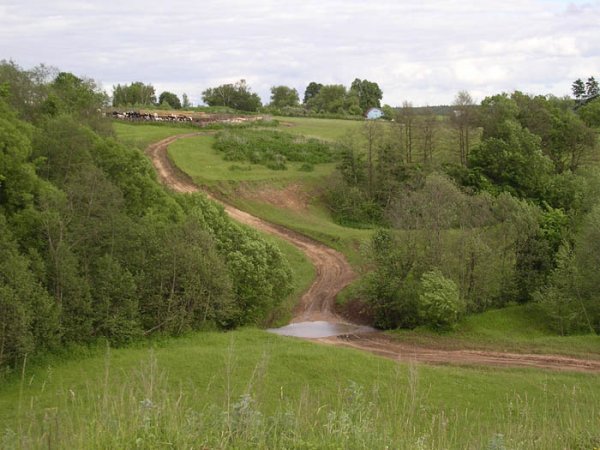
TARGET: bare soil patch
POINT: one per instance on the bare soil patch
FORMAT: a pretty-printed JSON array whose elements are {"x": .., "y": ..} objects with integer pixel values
[{"x": 291, "y": 197}]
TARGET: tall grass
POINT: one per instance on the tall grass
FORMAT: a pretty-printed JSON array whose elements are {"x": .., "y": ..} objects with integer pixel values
[{"x": 244, "y": 402}]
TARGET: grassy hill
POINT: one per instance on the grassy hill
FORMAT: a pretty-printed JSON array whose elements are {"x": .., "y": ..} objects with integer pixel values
[{"x": 251, "y": 389}]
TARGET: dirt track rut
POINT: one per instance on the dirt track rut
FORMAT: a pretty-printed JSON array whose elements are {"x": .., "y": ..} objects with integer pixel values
[{"x": 334, "y": 273}]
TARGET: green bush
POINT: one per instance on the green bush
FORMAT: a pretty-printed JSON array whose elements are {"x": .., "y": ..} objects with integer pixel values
[
  {"x": 271, "y": 148},
  {"x": 440, "y": 305}
]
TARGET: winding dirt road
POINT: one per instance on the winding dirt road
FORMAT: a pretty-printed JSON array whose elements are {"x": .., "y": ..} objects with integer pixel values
[{"x": 334, "y": 273}]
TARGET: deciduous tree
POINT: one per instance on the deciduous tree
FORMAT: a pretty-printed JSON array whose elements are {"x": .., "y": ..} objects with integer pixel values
[{"x": 282, "y": 96}]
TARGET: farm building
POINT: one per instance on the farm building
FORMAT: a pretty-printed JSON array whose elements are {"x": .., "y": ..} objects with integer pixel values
[{"x": 374, "y": 113}]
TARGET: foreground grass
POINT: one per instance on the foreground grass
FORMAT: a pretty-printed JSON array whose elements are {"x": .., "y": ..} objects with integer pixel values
[
  {"x": 250, "y": 389},
  {"x": 516, "y": 328}
]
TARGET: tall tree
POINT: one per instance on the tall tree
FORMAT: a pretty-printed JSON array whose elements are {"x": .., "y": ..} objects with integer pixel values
[
  {"x": 427, "y": 126},
  {"x": 591, "y": 87},
  {"x": 237, "y": 96},
  {"x": 406, "y": 116},
  {"x": 462, "y": 118},
  {"x": 578, "y": 88},
  {"x": 136, "y": 93},
  {"x": 169, "y": 99},
  {"x": 329, "y": 99},
  {"x": 282, "y": 96},
  {"x": 368, "y": 92},
  {"x": 185, "y": 101},
  {"x": 312, "y": 90}
]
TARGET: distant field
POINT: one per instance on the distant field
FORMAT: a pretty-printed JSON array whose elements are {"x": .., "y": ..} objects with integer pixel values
[
  {"x": 251, "y": 389},
  {"x": 329, "y": 129},
  {"x": 141, "y": 136},
  {"x": 206, "y": 166}
]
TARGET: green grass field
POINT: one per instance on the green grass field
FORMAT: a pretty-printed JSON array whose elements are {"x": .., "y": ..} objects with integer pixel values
[
  {"x": 196, "y": 157},
  {"x": 207, "y": 167},
  {"x": 251, "y": 389},
  {"x": 328, "y": 129},
  {"x": 141, "y": 136},
  {"x": 517, "y": 328}
]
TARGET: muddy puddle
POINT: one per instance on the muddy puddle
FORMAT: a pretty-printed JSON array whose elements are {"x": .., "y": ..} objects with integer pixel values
[{"x": 319, "y": 329}]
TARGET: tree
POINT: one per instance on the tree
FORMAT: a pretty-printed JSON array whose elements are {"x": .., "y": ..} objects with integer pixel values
[
  {"x": 405, "y": 118},
  {"x": 426, "y": 125},
  {"x": 282, "y": 96},
  {"x": 591, "y": 87},
  {"x": 27, "y": 89},
  {"x": 237, "y": 96},
  {"x": 137, "y": 93},
  {"x": 578, "y": 88},
  {"x": 462, "y": 119},
  {"x": 440, "y": 304},
  {"x": 76, "y": 95},
  {"x": 369, "y": 94},
  {"x": 513, "y": 161},
  {"x": 329, "y": 99},
  {"x": 170, "y": 100},
  {"x": 590, "y": 113},
  {"x": 312, "y": 90},
  {"x": 185, "y": 101}
]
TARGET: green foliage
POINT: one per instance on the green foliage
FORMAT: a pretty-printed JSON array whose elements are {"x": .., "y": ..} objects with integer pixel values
[
  {"x": 512, "y": 160},
  {"x": 571, "y": 299},
  {"x": 237, "y": 96},
  {"x": 440, "y": 305},
  {"x": 75, "y": 95},
  {"x": 578, "y": 88},
  {"x": 590, "y": 113},
  {"x": 92, "y": 247},
  {"x": 368, "y": 92},
  {"x": 283, "y": 96},
  {"x": 311, "y": 91},
  {"x": 271, "y": 148},
  {"x": 392, "y": 289},
  {"x": 169, "y": 100},
  {"x": 135, "y": 94}
]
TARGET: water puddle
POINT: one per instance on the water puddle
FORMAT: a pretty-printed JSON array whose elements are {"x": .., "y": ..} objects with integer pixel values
[{"x": 319, "y": 329}]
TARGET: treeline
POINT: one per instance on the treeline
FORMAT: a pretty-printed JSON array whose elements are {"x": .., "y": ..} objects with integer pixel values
[
  {"x": 319, "y": 99},
  {"x": 510, "y": 216},
  {"x": 91, "y": 246}
]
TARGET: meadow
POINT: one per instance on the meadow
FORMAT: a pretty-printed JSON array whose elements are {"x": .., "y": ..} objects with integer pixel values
[{"x": 252, "y": 389}]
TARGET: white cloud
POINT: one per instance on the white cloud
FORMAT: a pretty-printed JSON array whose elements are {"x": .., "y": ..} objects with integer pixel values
[{"x": 422, "y": 52}]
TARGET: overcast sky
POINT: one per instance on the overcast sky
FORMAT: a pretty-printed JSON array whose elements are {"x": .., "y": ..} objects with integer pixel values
[{"x": 424, "y": 52}]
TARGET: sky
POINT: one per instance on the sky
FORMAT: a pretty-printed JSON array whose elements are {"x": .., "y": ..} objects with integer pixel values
[{"x": 423, "y": 52}]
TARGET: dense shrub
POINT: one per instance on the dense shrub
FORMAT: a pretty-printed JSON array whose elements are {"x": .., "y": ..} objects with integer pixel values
[
  {"x": 271, "y": 148},
  {"x": 440, "y": 305}
]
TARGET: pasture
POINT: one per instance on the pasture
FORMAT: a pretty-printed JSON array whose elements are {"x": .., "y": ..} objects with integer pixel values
[{"x": 251, "y": 389}]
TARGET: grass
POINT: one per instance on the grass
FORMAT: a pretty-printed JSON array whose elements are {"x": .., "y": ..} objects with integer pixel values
[
  {"x": 328, "y": 129},
  {"x": 251, "y": 389},
  {"x": 206, "y": 166},
  {"x": 140, "y": 136},
  {"x": 196, "y": 157},
  {"x": 315, "y": 222},
  {"x": 516, "y": 328}
]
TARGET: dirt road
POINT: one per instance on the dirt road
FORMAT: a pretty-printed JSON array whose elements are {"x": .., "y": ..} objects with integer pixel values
[{"x": 334, "y": 273}]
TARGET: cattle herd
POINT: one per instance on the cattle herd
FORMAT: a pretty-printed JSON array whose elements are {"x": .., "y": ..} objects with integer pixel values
[{"x": 203, "y": 120}]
